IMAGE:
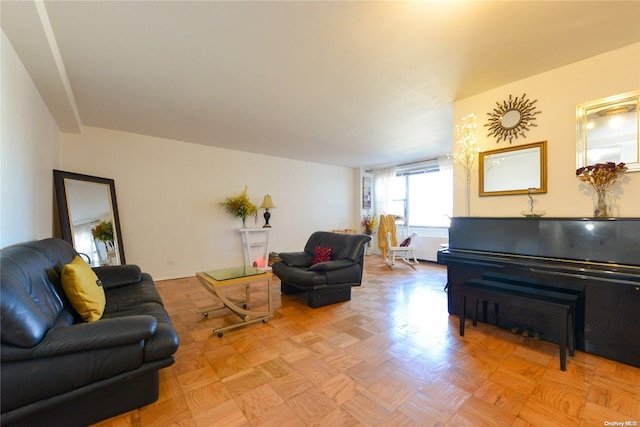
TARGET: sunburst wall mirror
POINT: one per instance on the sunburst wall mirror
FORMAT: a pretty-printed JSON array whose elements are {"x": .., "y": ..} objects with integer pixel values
[{"x": 512, "y": 118}]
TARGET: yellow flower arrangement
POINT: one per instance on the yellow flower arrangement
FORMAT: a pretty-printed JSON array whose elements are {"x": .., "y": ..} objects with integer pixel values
[
  {"x": 369, "y": 223},
  {"x": 240, "y": 206},
  {"x": 103, "y": 231}
]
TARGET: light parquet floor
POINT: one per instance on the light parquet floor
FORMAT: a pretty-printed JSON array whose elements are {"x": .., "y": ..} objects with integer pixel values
[{"x": 391, "y": 356}]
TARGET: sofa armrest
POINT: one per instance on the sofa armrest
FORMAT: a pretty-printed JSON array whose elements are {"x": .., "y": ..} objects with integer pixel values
[
  {"x": 296, "y": 259},
  {"x": 332, "y": 265},
  {"x": 104, "y": 333},
  {"x": 114, "y": 276}
]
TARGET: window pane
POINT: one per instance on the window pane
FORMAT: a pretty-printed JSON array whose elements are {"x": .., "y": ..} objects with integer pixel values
[
  {"x": 398, "y": 196},
  {"x": 430, "y": 199}
]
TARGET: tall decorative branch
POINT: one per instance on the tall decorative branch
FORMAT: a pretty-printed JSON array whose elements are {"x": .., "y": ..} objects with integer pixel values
[{"x": 467, "y": 151}]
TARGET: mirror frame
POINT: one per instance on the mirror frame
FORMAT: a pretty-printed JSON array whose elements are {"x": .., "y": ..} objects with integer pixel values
[
  {"x": 582, "y": 112},
  {"x": 59, "y": 178},
  {"x": 526, "y": 116},
  {"x": 543, "y": 170}
]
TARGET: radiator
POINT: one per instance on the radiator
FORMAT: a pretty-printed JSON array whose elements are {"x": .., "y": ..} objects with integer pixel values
[{"x": 427, "y": 246}]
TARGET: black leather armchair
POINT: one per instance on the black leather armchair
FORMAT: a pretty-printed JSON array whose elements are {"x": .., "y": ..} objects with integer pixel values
[{"x": 326, "y": 282}]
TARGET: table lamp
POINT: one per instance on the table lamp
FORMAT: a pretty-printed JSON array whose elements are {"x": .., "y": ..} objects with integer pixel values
[{"x": 267, "y": 204}]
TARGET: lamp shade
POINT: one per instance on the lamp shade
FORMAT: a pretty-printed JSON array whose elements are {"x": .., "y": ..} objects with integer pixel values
[{"x": 267, "y": 203}]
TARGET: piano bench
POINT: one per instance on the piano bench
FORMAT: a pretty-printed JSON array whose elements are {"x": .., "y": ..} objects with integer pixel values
[
  {"x": 547, "y": 285},
  {"x": 562, "y": 306}
]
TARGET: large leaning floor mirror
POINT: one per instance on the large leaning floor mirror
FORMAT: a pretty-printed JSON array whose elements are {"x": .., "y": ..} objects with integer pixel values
[{"x": 88, "y": 212}]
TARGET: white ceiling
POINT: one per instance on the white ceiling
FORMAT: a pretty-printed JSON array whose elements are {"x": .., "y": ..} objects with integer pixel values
[{"x": 343, "y": 83}]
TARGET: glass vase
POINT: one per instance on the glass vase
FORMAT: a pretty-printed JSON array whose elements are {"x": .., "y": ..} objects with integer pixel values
[{"x": 602, "y": 204}]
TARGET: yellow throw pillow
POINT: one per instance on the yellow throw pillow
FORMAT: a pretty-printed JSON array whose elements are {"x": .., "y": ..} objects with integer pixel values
[{"x": 84, "y": 290}]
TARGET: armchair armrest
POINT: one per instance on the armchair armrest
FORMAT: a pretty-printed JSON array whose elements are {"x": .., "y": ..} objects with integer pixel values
[
  {"x": 296, "y": 259},
  {"x": 332, "y": 265},
  {"x": 104, "y": 333},
  {"x": 118, "y": 275}
]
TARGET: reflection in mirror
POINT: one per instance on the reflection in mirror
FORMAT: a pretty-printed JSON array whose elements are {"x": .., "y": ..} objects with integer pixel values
[
  {"x": 510, "y": 119},
  {"x": 88, "y": 213},
  {"x": 514, "y": 170},
  {"x": 608, "y": 131}
]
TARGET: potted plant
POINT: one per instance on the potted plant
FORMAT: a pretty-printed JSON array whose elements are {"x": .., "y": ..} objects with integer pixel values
[
  {"x": 103, "y": 232},
  {"x": 240, "y": 206},
  {"x": 369, "y": 224}
]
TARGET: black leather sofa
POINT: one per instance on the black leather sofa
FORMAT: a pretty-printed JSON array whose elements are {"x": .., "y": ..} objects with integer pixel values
[
  {"x": 57, "y": 370},
  {"x": 326, "y": 282}
]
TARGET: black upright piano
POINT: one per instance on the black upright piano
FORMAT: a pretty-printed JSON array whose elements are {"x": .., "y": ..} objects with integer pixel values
[{"x": 600, "y": 255}]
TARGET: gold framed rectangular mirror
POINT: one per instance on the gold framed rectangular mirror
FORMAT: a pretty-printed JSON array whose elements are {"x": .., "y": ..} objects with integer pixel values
[
  {"x": 608, "y": 130},
  {"x": 514, "y": 170}
]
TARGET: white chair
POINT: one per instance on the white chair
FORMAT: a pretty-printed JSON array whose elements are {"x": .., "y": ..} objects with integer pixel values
[{"x": 406, "y": 253}]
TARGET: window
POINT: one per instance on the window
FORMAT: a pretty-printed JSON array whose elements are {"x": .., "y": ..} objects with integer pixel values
[{"x": 423, "y": 193}]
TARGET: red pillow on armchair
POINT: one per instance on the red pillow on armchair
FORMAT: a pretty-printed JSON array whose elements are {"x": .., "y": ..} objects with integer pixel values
[{"x": 322, "y": 254}]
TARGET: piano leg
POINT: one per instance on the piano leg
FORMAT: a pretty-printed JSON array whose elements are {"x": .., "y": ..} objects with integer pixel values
[{"x": 462, "y": 314}]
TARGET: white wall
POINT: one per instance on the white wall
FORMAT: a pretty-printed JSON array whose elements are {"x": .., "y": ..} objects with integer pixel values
[
  {"x": 29, "y": 151},
  {"x": 558, "y": 92},
  {"x": 168, "y": 190},
  {"x": 168, "y": 193}
]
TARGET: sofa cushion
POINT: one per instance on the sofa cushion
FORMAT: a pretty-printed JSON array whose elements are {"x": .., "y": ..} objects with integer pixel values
[
  {"x": 57, "y": 251},
  {"x": 298, "y": 276},
  {"x": 64, "y": 373},
  {"x": 296, "y": 259},
  {"x": 338, "y": 264},
  {"x": 114, "y": 276},
  {"x": 84, "y": 290},
  {"x": 125, "y": 297},
  {"x": 406, "y": 242},
  {"x": 321, "y": 254},
  {"x": 342, "y": 245},
  {"x": 164, "y": 341},
  {"x": 143, "y": 299},
  {"x": 29, "y": 303}
]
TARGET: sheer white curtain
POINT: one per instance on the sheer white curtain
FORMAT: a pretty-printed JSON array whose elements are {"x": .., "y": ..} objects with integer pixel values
[
  {"x": 84, "y": 243},
  {"x": 445, "y": 164},
  {"x": 382, "y": 189}
]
